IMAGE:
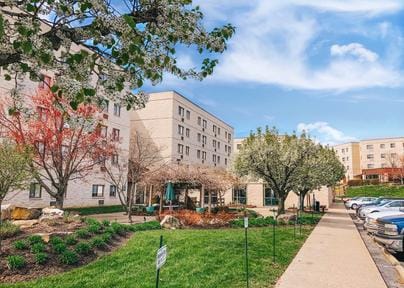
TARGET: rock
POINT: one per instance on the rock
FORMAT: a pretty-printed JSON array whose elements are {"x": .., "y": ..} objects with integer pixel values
[
  {"x": 6, "y": 211},
  {"x": 49, "y": 214},
  {"x": 26, "y": 223},
  {"x": 286, "y": 218},
  {"x": 46, "y": 236},
  {"x": 21, "y": 213},
  {"x": 170, "y": 222}
]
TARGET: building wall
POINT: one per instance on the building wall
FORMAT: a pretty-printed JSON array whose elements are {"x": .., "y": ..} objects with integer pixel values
[
  {"x": 349, "y": 156},
  {"x": 380, "y": 153},
  {"x": 160, "y": 121}
]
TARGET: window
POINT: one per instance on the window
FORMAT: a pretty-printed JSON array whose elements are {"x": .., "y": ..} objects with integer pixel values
[
  {"x": 115, "y": 134},
  {"x": 393, "y": 155},
  {"x": 370, "y": 156},
  {"x": 395, "y": 204},
  {"x": 225, "y": 134},
  {"x": 199, "y": 137},
  {"x": 114, "y": 159},
  {"x": 203, "y": 155},
  {"x": 198, "y": 154},
  {"x": 103, "y": 131},
  {"x": 180, "y": 130},
  {"x": 35, "y": 190},
  {"x": 204, "y": 123},
  {"x": 392, "y": 145},
  {"x": 45, "y": 83},
  {"x": 343, "y": 158},
  {"x": 346, "y": 149},
  {"x": 240, "y": 195},
  {"x": 218, "y": 159},
  {"x": 214, "y": 128},
  {"x": 214, "y": 143},
  {"x": 382, "y": 146},
  {"x": 187, "y": 131},
  {"x": 117, "y": 110},
  {"x": 225, "y": 148},
  {"x": 218, "y": 145},
  {"x": 98, "y": 190},
  {"x": 104, "y": 106},
  {"x": 218, "y": 130},
  {"x": 370, "y": 166},
  {"x": 112, "y": 191},
  {"x": 384, "y": 165},
  {"x": 187, "y": 150},
  {"x": 229, "y": 149},
  {"x": 225, "y": 161},
  {"x": 181, "y": 111},
  {"x": 199, "y": 120},
  {"x": 214, "y": 158},
  {"x": 213, "y": 197},
  {"x": 229, "y": 136},
  {"x": 180, "y": 149},
  {"x": 188, "y": 114},
  {"x": 383, "y": 155},
  {"x": 369, "y": 146},
  {"x": 204, "y": 139}
]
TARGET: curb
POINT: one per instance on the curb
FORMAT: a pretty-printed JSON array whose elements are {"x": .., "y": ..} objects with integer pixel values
[{"x": 393, "y": 261}]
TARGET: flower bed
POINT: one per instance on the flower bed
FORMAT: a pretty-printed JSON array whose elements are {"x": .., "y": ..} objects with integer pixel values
[{"x": 193, "y": 219}]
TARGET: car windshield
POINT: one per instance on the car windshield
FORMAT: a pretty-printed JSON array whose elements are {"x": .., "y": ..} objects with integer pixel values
[{"x": 383, "y": 202}]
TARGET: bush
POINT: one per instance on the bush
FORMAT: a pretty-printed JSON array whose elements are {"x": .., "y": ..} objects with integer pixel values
[
  {"x": 110, "y": 230},
  {"x": 71, "y": 240},
  {"x": 98, "y": 242},
  {"x": 83, "y": 248},
  {"x": 107, "y": 237},
  {"x": 41, "y": 258},
  {"x": 83, "y": 233},
  {"x": 68, "y": 257},
  {"x": 8, "y": 229},
  {"x": 15, "y": 262},
  {"x": 55, "y": 240},
  {"x": 254, "y": 222},
  {"x": 152, "y": 225},
  {"x": 91, "y": 221},
  {"x": 94, "y": 228},
  {"x": 106, "y": 223},
  {"x": 59, "y": 248},
  {"x": 37, "y": 248},
  {"x": 20, "y": 245},
  {"x": 33, "y": 239},
  {"x": 119, "y": 229}
]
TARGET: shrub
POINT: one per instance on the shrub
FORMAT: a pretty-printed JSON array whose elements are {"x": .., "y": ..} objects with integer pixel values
[
  {"x": 107, "y": 237},
  {"x": 98, "y": 242},
  {"x": 71, "y": 240},
  {"x": 83, "y": 248},
  {"x": 83, "y": 233},
  {"x": 109, "y": 230},
  {"x": 59, "y": 248},
  {"x": 20, "y": 245},
  {"x": 152, "y": 225},
  {"x": 94, "y": 228},
  {"x": 8, "y": 229},
  {"x": 41, "y": 258},
  {"x": 254, "y": 222},
  {"x": 33, "y": 239},
  {"x": 119, "y": 229},
  {"x": 37, "y": 248},
  {"x": 106, "y": 223},
  {"x": 15, "y": 262},
  {"x": 91, "y": 221},
  {"x": 68, "y": 257}
]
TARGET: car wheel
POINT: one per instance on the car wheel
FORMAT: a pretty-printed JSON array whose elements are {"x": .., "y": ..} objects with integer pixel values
[{"x": 354, "y": 206}]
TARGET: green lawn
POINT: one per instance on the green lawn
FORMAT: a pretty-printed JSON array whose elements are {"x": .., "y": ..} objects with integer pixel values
[
  {"x": 376, "y": 191},
  {"x": 196, "y": 258}
]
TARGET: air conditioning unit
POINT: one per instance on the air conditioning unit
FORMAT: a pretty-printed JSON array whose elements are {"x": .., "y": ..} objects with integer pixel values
[{"x": 101, "y": 202}]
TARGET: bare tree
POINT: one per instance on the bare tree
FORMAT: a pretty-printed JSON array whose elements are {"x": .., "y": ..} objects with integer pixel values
[
  {"x": 125, "y": 172},
  {"x": 396, "y": 162}
]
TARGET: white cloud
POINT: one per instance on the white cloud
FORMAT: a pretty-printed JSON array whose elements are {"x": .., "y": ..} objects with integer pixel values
[
  {"x": 324, "y": 133},
  {"x": 274, "y": 39},
  {"x": 354, "y": 49}
]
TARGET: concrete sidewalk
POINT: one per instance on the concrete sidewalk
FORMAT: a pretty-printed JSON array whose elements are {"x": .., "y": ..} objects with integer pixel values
[{"x": 334, "y": 255}]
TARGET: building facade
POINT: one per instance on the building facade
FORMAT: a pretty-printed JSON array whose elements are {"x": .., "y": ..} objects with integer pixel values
[
  {"x": 349, "y": 156},
  {"x": 184, "y": 132}
]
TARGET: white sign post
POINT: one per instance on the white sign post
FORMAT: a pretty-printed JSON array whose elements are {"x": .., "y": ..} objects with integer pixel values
[
  {"x": 245, "y": 222},
  {"x": 161, "y": 257}
]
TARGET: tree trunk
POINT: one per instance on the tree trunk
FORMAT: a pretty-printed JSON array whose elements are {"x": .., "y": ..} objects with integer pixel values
[
  {"x": 209, "y": 202},
  {"x": 161, "y": 203},
  {"x": 60, "y": 196},
  {"x": 281, "y": 205},
  {"x": 130, "y": 202}
]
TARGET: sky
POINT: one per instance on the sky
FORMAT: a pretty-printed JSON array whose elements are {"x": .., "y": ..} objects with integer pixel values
[{"x": 332, "y": 68}]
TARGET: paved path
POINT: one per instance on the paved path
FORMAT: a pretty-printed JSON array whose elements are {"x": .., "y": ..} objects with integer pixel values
[
  {"x": 334, "y": 256},
  {"x": 121, "y": 217}
]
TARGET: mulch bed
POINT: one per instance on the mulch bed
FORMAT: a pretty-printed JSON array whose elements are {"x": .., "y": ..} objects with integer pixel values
[{"x": 52, "y": 266}]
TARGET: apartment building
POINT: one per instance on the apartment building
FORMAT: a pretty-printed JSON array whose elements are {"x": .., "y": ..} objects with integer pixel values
[
  {"x": 184, "y": 132},
  {"x": 349, "y": 156}
]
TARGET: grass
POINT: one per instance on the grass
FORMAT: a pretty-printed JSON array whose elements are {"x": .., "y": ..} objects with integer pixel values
[
  {"x": 97, "y": 210},
  {"x": 8, "y": 229},
  {"x": 196, "y": 258},
  {"x": 376, "y": 191}
]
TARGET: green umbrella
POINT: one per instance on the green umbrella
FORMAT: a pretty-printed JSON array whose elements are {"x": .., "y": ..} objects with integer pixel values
[{"x": 170, "y": 192}]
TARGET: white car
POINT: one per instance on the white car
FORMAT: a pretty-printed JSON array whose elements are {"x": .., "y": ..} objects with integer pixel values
[
  {"x": 356, "y": 203},
  {"x": 393, "y": 205},
  {"x": 371, "y": 219}
]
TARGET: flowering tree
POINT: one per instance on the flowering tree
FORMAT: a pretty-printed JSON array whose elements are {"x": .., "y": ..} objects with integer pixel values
[
  {"x": 104, "y": 47},
  {"x": 320, "y": 168},
  {"x": 143, "y": 161},
  {"x": 275, "y": 158},
  {"x": 66, "y": 143},
  {"x": 13, "y": 169}
]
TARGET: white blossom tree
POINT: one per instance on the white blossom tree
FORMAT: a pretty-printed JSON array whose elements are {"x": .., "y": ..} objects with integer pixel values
[{"x": 104, "y": 48}]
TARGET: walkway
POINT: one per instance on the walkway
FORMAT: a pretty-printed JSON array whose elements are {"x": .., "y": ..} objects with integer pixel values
[
  {"x": 334, "y": 255},
  {"x": 121, "y": 217}
]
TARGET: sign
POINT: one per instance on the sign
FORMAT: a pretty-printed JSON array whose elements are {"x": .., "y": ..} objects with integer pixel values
[
  {"x": 161, "y": 257},
  {"x": 245, "y": 222}
]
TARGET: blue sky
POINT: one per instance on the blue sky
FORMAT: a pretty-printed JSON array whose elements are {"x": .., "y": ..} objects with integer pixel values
[{"x": 332, "y": 67}]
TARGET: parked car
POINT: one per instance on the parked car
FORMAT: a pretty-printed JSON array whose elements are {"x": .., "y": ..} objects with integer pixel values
[
  {"x": 379, "y": 201},
  {"x": 355, "y": 203},
  {"x": 393, "y": 205},
  {"x": 390, "y": 232},
  {"x": 371, "y": 219}
]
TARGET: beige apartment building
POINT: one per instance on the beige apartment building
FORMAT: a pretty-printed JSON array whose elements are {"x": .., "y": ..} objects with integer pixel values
[
  {"x": 184, "y": 132},
  {"x": 349, "y": 156}
]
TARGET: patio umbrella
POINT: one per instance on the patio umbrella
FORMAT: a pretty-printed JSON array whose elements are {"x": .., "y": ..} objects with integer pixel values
[{"x": 170, "y": 193}]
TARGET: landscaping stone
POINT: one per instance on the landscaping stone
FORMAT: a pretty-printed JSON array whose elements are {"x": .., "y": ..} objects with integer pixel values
[
  {"x": 286, "y": 218},
  {"x": 26, "y": 223},
  {"x": 22, "y": 213},
  {"x": 47, "y": 236},
  {"x": 51, "y": 214},
  {"x": 170, "y": 222},
  {"x": 6, "y": 211}
]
